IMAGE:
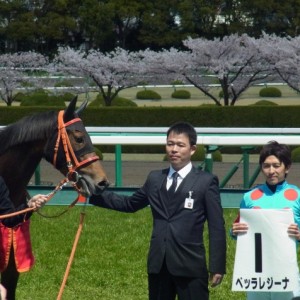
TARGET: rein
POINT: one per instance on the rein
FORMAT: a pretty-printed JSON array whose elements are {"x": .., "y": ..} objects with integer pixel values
[{"x": 49, "y": 197}]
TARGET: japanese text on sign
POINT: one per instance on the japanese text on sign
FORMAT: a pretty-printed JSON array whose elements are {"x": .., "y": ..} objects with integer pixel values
[{"x": 256, "y": 266}]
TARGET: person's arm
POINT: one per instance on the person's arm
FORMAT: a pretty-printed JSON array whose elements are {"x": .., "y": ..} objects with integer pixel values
[
  {"x": 293, "y": 229},
  {"x": 7, "y": 207},
  {"x": 119, "y": 202},
  {"x": 217, "y": 233}
]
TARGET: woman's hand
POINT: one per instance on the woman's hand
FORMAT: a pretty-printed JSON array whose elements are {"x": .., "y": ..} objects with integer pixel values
[
  {"x": 3, "y": 292},
  {"x": 293, "y": 231},
  {"x": 239, "y": 228},
  {"x": 37, "y": 201}
]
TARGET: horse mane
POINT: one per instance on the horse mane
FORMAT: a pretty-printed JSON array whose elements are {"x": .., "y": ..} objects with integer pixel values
[{"x": 30, "y": 128}]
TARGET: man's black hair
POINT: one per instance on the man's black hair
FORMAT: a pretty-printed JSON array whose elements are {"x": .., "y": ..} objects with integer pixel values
[
  {"x": 281, "y": 151},
  {"x": 186, "y": 128}
]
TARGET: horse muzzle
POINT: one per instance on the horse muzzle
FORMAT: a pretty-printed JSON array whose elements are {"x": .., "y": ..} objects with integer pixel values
[{"x": 88, "y": 188}]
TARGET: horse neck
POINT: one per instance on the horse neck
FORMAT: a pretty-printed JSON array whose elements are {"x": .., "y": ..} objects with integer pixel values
[{"x": 17, "y": 166}]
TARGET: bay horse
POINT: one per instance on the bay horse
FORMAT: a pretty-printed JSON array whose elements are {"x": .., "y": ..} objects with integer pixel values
[{"x": 60, "y": 138}]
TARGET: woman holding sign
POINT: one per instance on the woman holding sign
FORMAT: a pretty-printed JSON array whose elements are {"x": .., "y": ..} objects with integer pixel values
[{"x": 276, "y": 193}]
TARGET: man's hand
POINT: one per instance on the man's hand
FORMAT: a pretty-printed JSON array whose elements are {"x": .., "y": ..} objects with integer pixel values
[
  {"x": 293, "y": 231},
  {"x": 215, "y": 279},
  {"x": 239, "y": 228}
]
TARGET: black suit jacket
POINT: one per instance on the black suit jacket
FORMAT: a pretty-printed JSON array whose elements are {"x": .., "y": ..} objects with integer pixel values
[{"x": 177, "y": 232}]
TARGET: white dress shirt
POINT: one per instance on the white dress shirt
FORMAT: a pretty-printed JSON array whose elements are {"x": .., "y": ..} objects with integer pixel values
[{"x": 182, "y": 173}]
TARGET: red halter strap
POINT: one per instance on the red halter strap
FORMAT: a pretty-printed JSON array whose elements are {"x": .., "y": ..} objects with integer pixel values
[{"x": 63, "y": 137}]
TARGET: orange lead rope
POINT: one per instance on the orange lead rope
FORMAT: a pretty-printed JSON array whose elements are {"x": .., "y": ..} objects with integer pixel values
[
  {"x": 50, "y": 196},
  {"x": 63, "y": 137},
  {"x": 82, "y": 214}
]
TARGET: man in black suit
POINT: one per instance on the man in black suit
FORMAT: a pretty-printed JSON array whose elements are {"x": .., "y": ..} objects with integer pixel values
[{"x": 176, "y": 260}]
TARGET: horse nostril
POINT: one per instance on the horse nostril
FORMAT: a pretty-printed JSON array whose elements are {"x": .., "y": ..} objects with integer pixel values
[{"x": 103, "y": 184}]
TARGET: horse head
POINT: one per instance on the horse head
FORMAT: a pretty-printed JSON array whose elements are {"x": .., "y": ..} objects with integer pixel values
[{"x": 71, "y": 151}]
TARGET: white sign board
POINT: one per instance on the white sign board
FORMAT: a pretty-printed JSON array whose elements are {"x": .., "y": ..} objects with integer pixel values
[{"x": 266, "y": 258}]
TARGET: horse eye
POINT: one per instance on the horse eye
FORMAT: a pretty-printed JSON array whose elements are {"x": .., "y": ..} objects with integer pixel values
[{"x": 79, "y": 140}]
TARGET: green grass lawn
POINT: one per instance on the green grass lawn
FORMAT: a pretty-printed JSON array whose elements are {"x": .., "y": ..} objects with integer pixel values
[
  {"x": 250, "y": 96},
  {"x": 110, "y": 260}
]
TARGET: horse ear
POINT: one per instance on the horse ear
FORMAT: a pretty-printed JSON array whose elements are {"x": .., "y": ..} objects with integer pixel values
[
  {"x": 81, "y": 108},
  {"x": 69, "y": 111}
]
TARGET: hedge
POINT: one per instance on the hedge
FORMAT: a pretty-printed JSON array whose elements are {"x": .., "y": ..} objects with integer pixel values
[
  {"x": 270, "y": 92},
  {"x": 240, "y": 116},
  {"x": 181, "y": 94},
  {"x": 118, "y": 101},
  {"x": 202, "y": 116},
  {"x": 148, "y": 95}
]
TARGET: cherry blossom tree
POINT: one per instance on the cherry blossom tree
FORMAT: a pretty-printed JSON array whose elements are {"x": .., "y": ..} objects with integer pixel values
[
  {"x": 110, "y": 72},
  {"x": 235, "y": 60},
  {"x": 12, "y": 73},
  {"x": 283, "y": 55},
  {"x": 164, "y": 66},
  {"x": 234, "y": 63}
]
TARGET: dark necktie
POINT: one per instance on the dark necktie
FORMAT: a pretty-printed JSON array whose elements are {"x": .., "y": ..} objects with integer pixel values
[{"x": 173, "y": 186}]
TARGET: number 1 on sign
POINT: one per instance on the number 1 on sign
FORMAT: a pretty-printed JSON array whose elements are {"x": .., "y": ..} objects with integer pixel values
[{"x": 258, "y": 253}]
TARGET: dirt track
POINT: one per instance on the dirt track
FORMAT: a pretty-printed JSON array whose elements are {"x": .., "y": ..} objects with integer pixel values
[{"x": 135, "y": 172}]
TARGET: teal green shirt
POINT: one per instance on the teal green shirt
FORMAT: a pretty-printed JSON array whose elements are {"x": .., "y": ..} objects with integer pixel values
[{"x": 285, "y": 196}]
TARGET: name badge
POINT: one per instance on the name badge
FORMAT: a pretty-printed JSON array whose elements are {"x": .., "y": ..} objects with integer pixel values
[{"x": 189, "y": 202}]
